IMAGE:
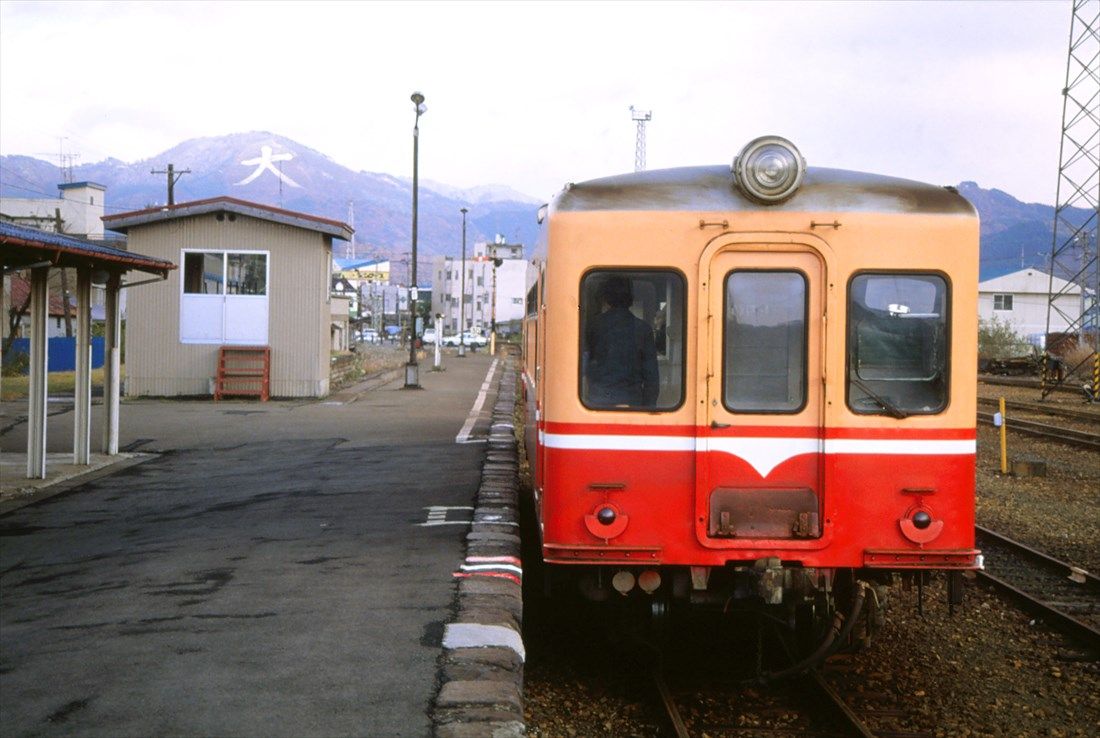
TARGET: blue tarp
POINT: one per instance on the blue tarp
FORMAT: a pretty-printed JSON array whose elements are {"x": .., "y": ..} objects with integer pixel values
[{"x": 61, "y": 352}]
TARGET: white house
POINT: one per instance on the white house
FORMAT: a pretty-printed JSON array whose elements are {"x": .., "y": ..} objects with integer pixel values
[{"x": 1021, "y": 299}]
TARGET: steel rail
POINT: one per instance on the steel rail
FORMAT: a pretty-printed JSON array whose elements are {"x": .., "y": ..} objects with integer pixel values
[
  {"x": 1057, "y": 619},
  {"x": 1040, "y": 408},
  {"x": 1024, "y": 382},
  {"x": 1091, "y": 581},
  {"x": 836, "y": 703},
  {"x": 1081, "y": 439},
  {"x": 672, "y": 712},
  {"x": 830, "y": 697}
]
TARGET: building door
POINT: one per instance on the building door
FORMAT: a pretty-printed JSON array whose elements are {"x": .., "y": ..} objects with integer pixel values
[{"x": 224, "y": 297}]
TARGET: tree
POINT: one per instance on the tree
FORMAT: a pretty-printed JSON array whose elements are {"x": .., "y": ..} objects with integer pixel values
[{"x": 997, "y": 339}]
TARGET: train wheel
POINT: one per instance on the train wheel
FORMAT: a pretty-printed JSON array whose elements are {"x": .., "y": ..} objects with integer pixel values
[{"x": 660, "y": 617}]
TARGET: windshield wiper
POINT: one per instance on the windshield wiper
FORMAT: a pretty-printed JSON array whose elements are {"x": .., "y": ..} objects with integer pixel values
[{"x": 892, "y": 410}]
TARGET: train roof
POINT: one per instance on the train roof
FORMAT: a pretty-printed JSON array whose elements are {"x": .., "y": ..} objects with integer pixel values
[{"x": 712, "y": 189}]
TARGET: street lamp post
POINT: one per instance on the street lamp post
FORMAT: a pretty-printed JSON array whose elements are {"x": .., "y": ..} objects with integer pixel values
[
  {"x": 412, "y": 370},
  {"x": 462, "y": 296},
  {"x": 493, "y": 324}
]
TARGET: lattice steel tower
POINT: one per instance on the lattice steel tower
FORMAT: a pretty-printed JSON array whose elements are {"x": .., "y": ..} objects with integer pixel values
[
  {"x": 1073, "y": 262},
  {"x": 641, "y": 117}
]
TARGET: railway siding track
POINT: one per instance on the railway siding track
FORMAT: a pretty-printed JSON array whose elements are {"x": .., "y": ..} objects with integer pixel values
[
  {"x": 1029, "y": 383},
  {"x": 1039, "y": 408},
  {"x": 1064, "y": 596},
  {"x": 1081, "y": 439}
]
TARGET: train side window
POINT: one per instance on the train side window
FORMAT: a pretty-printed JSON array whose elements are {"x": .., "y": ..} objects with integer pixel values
[
  {"x": 764, "y": 354},
  {"x": 897, "y": 344},
  {"x": 532, "y": 300},
  {"x": 632, "y": 340}
]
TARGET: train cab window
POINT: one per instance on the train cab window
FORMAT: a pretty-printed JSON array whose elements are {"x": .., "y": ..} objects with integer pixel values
[
  {"x": 897, "y": 344},
  {"x": 632, "y": 340},
  {"x": 764, "y": 355}
]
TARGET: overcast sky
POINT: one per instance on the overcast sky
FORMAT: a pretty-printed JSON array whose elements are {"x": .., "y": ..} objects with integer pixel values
[{"x": 534, "y": 95}]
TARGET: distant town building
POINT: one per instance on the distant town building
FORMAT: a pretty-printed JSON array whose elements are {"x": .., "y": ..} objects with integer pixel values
[
  {"x": 384, "y": 307},
  {"x": 79, "y": 206},
  {"x": 358, "y": 271},
  {"x": 17, "y": 290},
  {"x": 511, "y": 276},
  {"x": 76, "y": 211}
]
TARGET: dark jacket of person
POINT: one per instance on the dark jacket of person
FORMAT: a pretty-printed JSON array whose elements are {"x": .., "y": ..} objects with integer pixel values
[{"x": 622, "y": 360}]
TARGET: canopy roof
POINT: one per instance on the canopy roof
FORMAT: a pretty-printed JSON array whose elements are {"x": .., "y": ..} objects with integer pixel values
[{"x": 21, "y": 246}]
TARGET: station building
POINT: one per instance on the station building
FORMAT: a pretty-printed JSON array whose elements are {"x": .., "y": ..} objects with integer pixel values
[{"x": 250, "y": 275}]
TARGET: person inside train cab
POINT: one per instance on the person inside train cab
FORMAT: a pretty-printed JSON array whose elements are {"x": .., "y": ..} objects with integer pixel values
[{"x": 622, "y": 358}]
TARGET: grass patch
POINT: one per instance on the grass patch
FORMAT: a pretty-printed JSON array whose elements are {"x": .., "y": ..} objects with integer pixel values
[{"x": 58, "y": 384}]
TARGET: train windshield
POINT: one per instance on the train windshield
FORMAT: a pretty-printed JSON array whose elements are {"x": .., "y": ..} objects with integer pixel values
[
  {"x": 632, "y": 340},
  {"x": 897, "y": 344}
]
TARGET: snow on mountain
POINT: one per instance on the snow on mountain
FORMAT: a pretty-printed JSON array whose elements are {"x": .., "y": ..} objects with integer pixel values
[{"x": 264, "y": 167}]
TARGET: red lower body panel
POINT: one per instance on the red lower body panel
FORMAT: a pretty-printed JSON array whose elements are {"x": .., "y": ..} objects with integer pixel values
[{"x": 868, "y": 492}]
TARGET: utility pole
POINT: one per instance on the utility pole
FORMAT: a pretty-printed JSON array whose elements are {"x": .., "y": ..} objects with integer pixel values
[
  {"x": 462, "y": 291},
  {"x": 493, "y": 312},
  {"x": 351, "y": 222},
  {"x": 173, "y": 177},
  {"x": 641, "y": 117},
  {"x": 59, "y": 228}
]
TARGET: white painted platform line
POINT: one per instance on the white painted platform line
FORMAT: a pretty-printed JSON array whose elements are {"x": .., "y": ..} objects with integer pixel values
[
  {"x": 437, "y": 515},
  {"x": 474, "y": 635},
  {"x": 468, "y": 427}
]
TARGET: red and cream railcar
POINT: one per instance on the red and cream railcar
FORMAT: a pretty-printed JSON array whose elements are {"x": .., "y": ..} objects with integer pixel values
[{"x": 815, "y": 340}]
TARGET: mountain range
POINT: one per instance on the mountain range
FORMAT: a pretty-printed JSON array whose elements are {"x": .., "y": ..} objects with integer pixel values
[{"x": 268, "y": 168}]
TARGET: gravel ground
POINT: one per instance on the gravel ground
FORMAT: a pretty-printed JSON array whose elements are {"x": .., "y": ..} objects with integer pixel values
[
  {"x": 1058, "y": 514},
  {"x": 988, "y": 670}
]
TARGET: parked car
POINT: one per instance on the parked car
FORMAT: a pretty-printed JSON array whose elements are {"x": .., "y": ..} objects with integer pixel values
[
  {"x": 429, "y": 335},
  {"x": 369, "y": 335},
  {"x": 470, "y": 339}
]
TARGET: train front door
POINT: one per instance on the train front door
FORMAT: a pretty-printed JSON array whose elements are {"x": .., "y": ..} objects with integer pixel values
[{"x": 759, "y": 422}]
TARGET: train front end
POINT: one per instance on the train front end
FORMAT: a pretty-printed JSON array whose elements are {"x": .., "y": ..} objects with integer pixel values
[{"x": 805, "y": 426}]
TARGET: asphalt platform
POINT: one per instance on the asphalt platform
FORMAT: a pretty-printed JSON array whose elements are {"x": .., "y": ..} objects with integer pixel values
[{"x": 259, "y": 569}]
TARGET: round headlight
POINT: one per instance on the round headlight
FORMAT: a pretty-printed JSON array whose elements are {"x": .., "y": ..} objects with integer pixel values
[{"x": 769, "y": 169}]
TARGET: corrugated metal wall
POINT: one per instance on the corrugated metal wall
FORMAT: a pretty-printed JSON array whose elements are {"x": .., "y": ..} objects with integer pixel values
[{"x": 298, "y": 309}]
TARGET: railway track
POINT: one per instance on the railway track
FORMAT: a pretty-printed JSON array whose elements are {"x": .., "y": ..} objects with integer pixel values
[
  {"x": 1063, "y": 596},
  {"x": 804, "y": 705},
  {"x": 1039, "y": 408},
  {"x": 1081, "y": 439},
  {"x": 1073, "y": 389}
]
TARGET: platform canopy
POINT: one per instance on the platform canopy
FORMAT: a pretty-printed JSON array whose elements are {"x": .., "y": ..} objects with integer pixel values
[
  {"x": 22, "y": 247},
  {"x": 93, "y": 261}
]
